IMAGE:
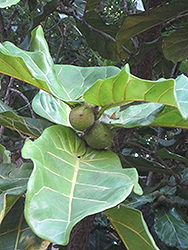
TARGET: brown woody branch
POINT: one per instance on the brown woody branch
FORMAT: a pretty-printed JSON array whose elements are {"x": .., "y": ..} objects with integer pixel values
[{"x": 100, "y": 32}]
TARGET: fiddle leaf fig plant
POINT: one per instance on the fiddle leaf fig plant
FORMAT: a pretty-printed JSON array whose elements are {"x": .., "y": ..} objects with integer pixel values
[{"x": 75, "y": 173}]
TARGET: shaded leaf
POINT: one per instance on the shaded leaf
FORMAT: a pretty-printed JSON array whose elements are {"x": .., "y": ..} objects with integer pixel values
[
  {"x": 166, "y": 143},
  {"x": 124, "y": 87},
  {"x": 175, "y": 46},
  {"x": 171, "y": 228},
  {"x": 138, "y": 23},
  {"x": 85, "y": 182},
  {"x": 184, "y": 67},
  {"x": 131, "y": 227},
  {"x": 32, "y": 4},
  {"x": 4, "y": 155},
  {"x": 101, "y": 42},
  {"x": 16, "y": 234},
  {"x": 166, "y": 154},
  {"x": 13, "y": 183},
  {"x": 7, "y": 3},
  {"x": 163, "y": 67},
  {"x": 143, "y": 165},
  {"x": 92, "y": 4},
  {"x": 95, "y": 20},
  {"x": 135, "y": 201},
  {"x": 182, "y": 192},
  {"x": 27, "y": 126},
  {"x": 48, "y": 8}
]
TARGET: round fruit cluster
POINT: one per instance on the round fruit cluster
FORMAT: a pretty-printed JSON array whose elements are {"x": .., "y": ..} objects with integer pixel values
[
  {"x": 160, "y": 199},
  {"x": 97, "y": 135}
]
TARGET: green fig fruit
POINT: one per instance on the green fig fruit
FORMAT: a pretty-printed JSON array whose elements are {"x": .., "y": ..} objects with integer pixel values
[
  {"x": 156, "y": 194},
  {"x": 162, "y": 201},
  {"x": 81, "y": 117},
  {"x": 99, "y": 136}
]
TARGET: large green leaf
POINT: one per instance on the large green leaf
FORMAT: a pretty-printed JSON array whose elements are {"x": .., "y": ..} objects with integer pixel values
[
  {"x": 28, "y": 126},
  {"x": 138, "y": 23},
  {"x": 16, "y": 234},
  {"x": 125, "y": 87},
  {"x": 175, "y": 46},
  {"x": 13, "y": 183},
  {"x": 7, "y": 3},
  {"x": 76, "y": 80},
  {"x": 171, "y": 228},
  {"x": 85, "y": 182},
  {"x": 21, "y": 65},
  {"x": 34, "y": 67},
  {"x": 131, "y": 227}
]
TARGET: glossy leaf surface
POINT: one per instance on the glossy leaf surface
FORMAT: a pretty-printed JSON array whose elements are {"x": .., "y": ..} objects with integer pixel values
[
  {"x": 85, "y": 182},
  {"x": 171, "y": 228},
  {"x": 124, "y": 87},
  {"x": 131, "y": 227}
]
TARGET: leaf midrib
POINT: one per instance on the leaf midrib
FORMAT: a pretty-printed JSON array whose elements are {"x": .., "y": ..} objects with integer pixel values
[{"x": 72, "y": 189}]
